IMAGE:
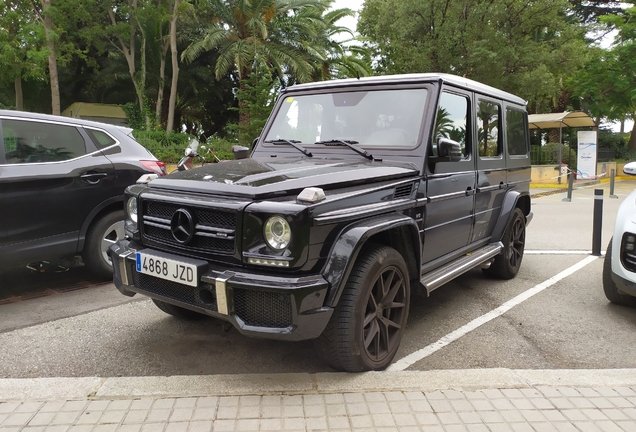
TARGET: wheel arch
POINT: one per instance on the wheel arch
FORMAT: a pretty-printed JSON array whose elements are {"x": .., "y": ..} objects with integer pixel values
[
  {"x": 512, "y": 200},
  {"x": 108, "y": 206},
  {"x": 395, "y": 230}
]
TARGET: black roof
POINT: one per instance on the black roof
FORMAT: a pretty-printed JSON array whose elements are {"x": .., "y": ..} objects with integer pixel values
[{"x": 453, "y": 80}]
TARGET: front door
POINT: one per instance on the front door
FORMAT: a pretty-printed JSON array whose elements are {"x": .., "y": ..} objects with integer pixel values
[{"x": 450, "y": 185}]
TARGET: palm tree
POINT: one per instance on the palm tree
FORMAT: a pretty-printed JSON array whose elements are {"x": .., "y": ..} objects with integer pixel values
[{"x": 278, "y": 33}]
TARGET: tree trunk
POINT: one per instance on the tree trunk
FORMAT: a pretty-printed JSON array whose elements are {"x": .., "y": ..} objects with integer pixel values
[
  {"x": 175, "y": 67},
  {"x": 632, "y": 139},
  {"x": 162, "y": 83},
  {"x": 19, "y": 99},
  {"x": 50, "y": 45}
]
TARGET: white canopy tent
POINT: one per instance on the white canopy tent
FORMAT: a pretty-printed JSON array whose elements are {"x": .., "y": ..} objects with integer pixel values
[{"x": 573, "y": 119}]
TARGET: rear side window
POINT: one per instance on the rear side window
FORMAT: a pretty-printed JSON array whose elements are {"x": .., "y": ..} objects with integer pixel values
[
  {"x": 516, "y": 133},
  {"x": 488, "y": 130},
  {"x": 28, "y": 142},
  {"x": 101, "y": 139}
]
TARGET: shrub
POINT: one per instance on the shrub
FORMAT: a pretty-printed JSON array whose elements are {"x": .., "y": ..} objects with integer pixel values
[{"x": 170, "y": 148}]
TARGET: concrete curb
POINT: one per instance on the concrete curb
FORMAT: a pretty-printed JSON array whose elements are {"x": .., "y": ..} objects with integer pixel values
[{"x": 302, "y": 383}]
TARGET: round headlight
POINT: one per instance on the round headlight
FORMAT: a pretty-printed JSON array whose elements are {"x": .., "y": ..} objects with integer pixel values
[
  {"x": 131, "y": 206},
  {"x": 277, "y": 232}
]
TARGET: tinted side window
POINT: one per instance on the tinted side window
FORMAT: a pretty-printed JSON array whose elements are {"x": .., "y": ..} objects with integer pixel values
[
  {"x": 451, "y": 122},
  {"x": 488, "y": 130},
  {"x": 101, "y": 139},
  {"x": 516, "y": 133},
  {"x": 35, "y": 142}
]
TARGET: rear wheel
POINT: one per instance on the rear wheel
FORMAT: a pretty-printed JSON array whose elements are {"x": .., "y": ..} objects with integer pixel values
[
  {"x": 507, "y": 264},
  {"x": 101, "y": 235},
  {"x": 612, "y": 292},
  {"x": 365, "y": 331},
  {"x": 177, "y": 311}
]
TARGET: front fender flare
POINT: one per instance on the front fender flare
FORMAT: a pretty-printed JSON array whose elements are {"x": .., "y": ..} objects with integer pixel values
[{"x": 345, "y": 250}]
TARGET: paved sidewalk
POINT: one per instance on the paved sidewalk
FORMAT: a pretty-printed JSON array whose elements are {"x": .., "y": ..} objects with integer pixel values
[{"x": 496, "y": 400}]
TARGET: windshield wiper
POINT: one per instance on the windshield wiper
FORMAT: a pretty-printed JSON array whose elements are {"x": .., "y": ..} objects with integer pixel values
[
  {"x": 293, "y": 143},
  {"x": 348, "y": 143}
]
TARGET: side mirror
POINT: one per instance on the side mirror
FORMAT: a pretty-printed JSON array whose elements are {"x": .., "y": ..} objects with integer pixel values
[
  {"x": 240, "y": 152},
  {"x": 254, "y": 143},
  {"x": 193, "y": 147},
  {"x": 189, "y": 151},
  {"x": 630, "y": 168},
  {"x": 449, "y": 150}
]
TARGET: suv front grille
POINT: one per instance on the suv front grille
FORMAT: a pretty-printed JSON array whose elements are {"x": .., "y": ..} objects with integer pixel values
[
  {"x": 263, "y": 308},
  {"x": 214, "y": 231}
]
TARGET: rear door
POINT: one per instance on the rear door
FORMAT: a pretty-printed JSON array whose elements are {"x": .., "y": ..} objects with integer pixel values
[
  {"x": 451, "y": 187},
  {"x": 51, "y": 178},
  {"x": 491, "y": 165}
]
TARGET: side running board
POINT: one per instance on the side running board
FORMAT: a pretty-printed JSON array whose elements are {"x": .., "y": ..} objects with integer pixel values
[{"x": 450, "y": 271}]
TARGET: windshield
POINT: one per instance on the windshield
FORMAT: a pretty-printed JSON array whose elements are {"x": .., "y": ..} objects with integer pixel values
[{"x": 380, "y": 118}]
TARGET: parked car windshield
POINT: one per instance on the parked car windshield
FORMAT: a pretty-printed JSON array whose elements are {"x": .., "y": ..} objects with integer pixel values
[{"x": 379, "y": 118}]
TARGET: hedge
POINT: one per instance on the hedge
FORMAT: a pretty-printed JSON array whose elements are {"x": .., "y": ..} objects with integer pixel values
[{"x": 170, "y": 148}]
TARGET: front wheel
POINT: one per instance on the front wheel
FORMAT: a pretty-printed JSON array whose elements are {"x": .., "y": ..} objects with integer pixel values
[
  {"x": 507, "y": 264},
  {"x": 609, "y": 287},
  {"x": 103, "y": 233},
  {"x": 365, "y": 331}
]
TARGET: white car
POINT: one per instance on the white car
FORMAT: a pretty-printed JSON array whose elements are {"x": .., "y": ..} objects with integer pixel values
[{"x": 619, "y": 268}]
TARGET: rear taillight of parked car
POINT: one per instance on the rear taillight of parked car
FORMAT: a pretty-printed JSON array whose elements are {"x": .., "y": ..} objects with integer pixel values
[{"x": 156, "y": 167}]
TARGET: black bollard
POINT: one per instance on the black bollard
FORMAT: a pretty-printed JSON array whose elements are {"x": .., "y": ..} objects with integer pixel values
[
  {"x": 598, "y": 222},
  {"x": 570, "y": 187},
  {"x": 612, "y": 176}
]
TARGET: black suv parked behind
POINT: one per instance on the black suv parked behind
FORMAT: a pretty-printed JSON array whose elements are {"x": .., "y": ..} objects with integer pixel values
[
  {"x": 358, "y": 194},
  {"x": 61, "y": 188}
]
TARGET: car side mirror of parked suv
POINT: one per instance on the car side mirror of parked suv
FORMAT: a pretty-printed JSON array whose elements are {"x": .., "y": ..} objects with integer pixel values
[
  {"x": 630, "y": 168},
  {"x": 449, "y": 150},
  {"x": 240, "y": 152}
]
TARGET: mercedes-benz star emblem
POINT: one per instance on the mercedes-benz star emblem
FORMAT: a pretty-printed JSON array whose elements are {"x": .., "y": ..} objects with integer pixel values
[{"x": 182, "y": 226}]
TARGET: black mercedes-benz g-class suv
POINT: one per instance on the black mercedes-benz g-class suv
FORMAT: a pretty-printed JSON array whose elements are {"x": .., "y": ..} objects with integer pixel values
[{"x": 358, "y": 193}]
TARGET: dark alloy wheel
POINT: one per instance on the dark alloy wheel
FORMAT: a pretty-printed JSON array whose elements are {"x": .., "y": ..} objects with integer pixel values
[
  {"x": 507, "y": 265},
  {"x": 365, "y": 331}
]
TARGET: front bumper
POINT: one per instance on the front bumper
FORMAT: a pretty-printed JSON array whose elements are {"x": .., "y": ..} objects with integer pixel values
[{"x": 257, "y": 304}]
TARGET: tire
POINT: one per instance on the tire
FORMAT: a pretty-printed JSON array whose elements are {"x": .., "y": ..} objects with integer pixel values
[
  {"x": 103, "y": 232},
  {"x": 612, "y": 292},
  {"x": 177, "y": 311},
  {"x": 507, "y": 264},
  {"x": 363, "y": 333}
]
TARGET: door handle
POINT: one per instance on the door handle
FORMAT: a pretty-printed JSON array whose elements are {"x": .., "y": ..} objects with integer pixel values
[
  {"x": 93, "y": 177},
  {"x": 469, "y": 191}
]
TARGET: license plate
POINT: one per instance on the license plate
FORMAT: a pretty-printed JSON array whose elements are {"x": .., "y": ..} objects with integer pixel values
[{"x": 168, "y": 269}]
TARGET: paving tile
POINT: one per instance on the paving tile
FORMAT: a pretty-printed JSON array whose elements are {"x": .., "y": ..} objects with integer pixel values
[
  {"x": 105, "y": 428},
  {"x": 158, "y": 416},
  {"x": 533, "y": 416},
  {"x": 185, "y": 403},
  {"x": 204, "y": 413},
  {"x": 223, "y": 425},
  {"x": 543, "y": 427},
  {"x": 249, "y": 412},
  {"x": 427, "y": 419},
  {"x": 614, "y": 414},
  {"x": 477, "y": 428},
  {"x": 177, "y": 427},
  {"x": 383, "y": 420},
  {"x": 315, "y": 410},
  {"x": 288, "y": 400},
  {"x": 448, "y": 418},
  {"x": 549, "y": 391},
  {"x": 440, "y": 405},
  {"x": 353, "y": 397},
  {"x": 207, "y": 402},
  {"x": 586, "y": 426},
  {"x": 114, "y": 416},
  {"x": 625, "y": 391},
  {"x": 522, "y": 404},
  {"x": 404, "y": 419},
  {"x": 574, "y": 415},
  {"x": 313, "y": 400},
  {"x": 65, "y": 418},
  {"x": 608, "y": 426},
  {"x": 455, "y": 428},
  {"x": 512, "y": 393},
  {"x": 8, "y": 407},
  {"x": 141, "y": 404},
  {"x": 119, "y": 405},
  {"x": 52, "y": 406},
  {"x": 627, "y": 426},
  {"x": 201, "y": 426},
  {"x": 420, "y": 405},
  {"x": 469, "y": 417},
  {"x": 521, "y": 427},
  {"x": 131, "y": 428},
  {"x": 338, "y": 422},
  {"x": 334, "y": 398},
  {"x": 40, "y": 419},
  {"x": 227, "y": 412},
  {"x": 341, "y": 410},
  {"x": 29, "y": 407},
  {"x": 461, "y": 405},
  {"x": 361, "y": 422},
  {"x": 316, "y": 423},
  {"x": 607, "y": 392},
  {"x": 512, "y": 416},
  {"x": 290, "y": 411},
  {"x": 164, "y": 403},
  {"x": 356, "y": 409},
  {"x": 233, "y": 401},
  {"x": 453, "y": 394},
  {"x": 481, "y": 405},
  {"x": 296, "y": 423},
  {"x": 19, "y": 419},
  {"x": 502, "y": 404},
  {"x": 181, "y": 415},
  {"x": 565, "y": 427},
  {"x": 81, "y": 428},
  {"x": 531, "y": 393},
  {"x": 249, "y": 401},
  {"x": 568, "y": 392},
  {"x": 135, "y": 416}
]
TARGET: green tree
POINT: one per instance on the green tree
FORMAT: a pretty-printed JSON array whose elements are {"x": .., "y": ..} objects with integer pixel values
[
  {"x": 278, "y": 33},
  {"x": 21, "y": 47},
  {"x": 606, "y": 84},
  {"x": 527, "y": 48}
]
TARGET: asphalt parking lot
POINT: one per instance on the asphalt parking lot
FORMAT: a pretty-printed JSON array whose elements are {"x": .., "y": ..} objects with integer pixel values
[{"x": 566, "y": 324}]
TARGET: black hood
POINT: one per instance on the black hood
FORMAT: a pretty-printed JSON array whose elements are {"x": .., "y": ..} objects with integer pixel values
[{"x": 262, "y": 177}]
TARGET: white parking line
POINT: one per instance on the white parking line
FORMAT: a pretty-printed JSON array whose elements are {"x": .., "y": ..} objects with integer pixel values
[
  {"x": 410, "y": 359},
  {"x": 557, "y": 252}
]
